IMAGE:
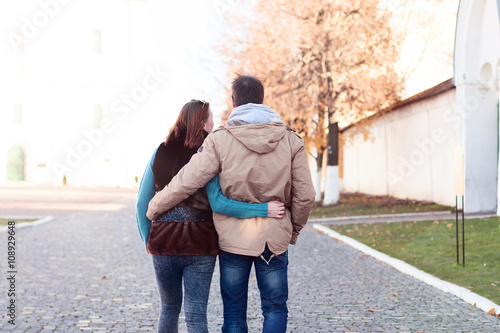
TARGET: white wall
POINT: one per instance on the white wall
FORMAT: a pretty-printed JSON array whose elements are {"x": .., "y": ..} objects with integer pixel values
[
  {"x": 477, "y": 53},
  {"x": 412, "y": 155},
  {"x": 57, "y": 79},
  {"x": 409, "y": 154}
]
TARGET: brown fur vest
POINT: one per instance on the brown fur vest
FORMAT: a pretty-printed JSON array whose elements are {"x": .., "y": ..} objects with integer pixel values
[{"x": 188, "y": 228}]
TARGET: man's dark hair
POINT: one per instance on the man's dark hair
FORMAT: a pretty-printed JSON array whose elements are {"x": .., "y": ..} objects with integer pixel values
[{"x": 247, "y": 89}]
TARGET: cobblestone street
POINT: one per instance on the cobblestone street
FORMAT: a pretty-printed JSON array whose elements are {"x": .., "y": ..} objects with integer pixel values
[{"x": 87, "y": 271}]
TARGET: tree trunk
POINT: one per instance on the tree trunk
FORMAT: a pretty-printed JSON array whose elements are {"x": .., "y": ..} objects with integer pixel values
[
  {"x": 332, "y": 193},
  {"x": 317, "y": 174}
]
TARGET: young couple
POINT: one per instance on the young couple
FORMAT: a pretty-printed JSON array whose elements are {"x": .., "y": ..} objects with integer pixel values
[{"x": 242, "y": 192}]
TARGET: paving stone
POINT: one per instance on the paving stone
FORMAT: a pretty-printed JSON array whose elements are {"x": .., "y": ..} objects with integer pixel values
[{"x": 87, "y": 271}]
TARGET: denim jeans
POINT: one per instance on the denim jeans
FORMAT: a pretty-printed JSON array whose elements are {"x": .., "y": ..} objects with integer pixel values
[
  {"x": 273, "y": 286},
  {"x": 197, "y": 274}
]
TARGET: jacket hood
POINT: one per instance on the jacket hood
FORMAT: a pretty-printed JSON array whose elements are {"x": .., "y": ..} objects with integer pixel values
[
  {"x": 255, "y": 114},
  {"x": 260, "y": 138}
]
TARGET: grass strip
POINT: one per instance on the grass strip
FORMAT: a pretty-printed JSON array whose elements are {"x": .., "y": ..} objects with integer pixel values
[
  {"x": 431, "y": 247},
  {"x": 5, "y": 221}
]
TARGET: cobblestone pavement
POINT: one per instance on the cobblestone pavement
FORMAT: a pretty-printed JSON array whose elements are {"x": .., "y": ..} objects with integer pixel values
[{"x": 87, "y": 271}]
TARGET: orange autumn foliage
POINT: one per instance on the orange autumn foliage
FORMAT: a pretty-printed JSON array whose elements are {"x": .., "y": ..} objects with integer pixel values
[{"x": 318, "y": 59}]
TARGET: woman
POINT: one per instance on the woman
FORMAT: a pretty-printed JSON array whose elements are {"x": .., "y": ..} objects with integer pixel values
[{"x": 183, "y": 241}]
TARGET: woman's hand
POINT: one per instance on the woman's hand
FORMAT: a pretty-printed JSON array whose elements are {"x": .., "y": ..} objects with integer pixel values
[{"x": 275, "y": 209}]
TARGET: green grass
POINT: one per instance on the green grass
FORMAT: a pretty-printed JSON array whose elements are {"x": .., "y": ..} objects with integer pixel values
[
  {"x": 5, "y": 221},
  {"x": 360, "y": 204},
  {"x": 431, "y": 247}
]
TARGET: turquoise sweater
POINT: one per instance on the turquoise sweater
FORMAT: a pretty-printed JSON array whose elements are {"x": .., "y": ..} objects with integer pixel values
[{"x": 219, "y": 203}]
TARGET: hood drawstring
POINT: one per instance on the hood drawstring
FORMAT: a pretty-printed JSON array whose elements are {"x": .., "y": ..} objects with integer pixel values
[{"x": 267, "y": 261}]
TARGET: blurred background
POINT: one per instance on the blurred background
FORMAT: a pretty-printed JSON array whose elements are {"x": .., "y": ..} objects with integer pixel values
[{"x": 90, "y": 88}]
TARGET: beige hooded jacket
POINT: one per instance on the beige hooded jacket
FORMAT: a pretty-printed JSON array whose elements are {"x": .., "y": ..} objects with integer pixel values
[{"x": 255, "y": 163}]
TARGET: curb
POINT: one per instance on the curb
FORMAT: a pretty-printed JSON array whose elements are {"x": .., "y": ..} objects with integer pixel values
[
  {"x": 462, "y": 293},
  {"x": 430, "y": 215},
  {"x": 27, "y": 224}
]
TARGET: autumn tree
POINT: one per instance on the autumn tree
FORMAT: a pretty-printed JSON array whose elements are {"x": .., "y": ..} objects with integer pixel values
[{"x": 321, "y": 62}]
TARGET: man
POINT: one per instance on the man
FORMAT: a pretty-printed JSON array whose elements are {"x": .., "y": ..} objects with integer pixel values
[{"x": 258, "y": 159}]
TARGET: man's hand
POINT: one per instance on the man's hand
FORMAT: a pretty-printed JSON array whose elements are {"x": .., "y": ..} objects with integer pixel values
[{"x": 275, "y": 209}]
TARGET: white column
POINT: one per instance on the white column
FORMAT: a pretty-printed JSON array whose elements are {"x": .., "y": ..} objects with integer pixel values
[{"x": 498, "y": 165}]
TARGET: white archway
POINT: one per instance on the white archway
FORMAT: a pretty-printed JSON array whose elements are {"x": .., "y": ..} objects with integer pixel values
[{"x": 477, "y": 49}]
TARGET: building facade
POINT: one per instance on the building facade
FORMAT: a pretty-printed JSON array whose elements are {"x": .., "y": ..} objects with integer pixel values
[
  {"x": 76, "y": 77},
  {"x": 411, "y": 154}
]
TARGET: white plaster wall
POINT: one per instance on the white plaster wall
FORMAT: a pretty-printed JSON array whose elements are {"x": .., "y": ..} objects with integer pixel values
[
  {"x": 374, "y": 182},
  {"x": 411, "y": 155},
  {"x": 351, "y": 162},
  {"x": 417, "y": 141},
  {"x": 477, "y": 52}
]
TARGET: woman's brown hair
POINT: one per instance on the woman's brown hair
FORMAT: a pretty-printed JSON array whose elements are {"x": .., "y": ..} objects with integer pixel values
[{"x": 191, "y": 120}]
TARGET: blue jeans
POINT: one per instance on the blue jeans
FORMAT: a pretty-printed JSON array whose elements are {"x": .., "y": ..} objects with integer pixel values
[
  {"x": 273, "y": 287},
  {"x": 197, "y": 274}
]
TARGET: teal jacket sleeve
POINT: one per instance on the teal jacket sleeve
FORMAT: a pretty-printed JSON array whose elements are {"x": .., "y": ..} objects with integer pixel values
[
  {"x": 223, "y": 205},
  {"x": 145, "y": 194}
]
